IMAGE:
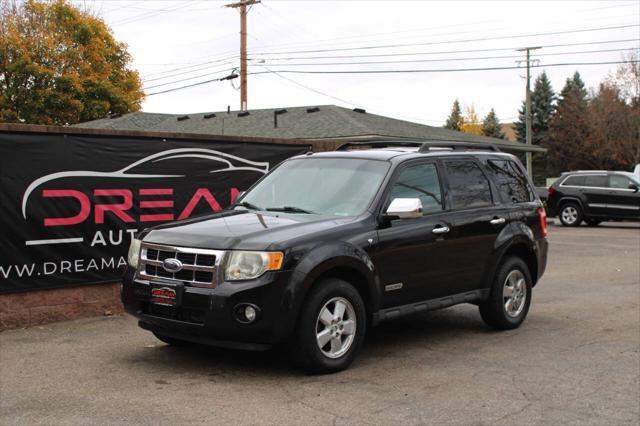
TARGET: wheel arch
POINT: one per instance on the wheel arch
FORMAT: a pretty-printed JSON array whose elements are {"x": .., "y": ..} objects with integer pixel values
[
  {"x": 525, "y": 252},
  {"x": 338, "y": 260}
]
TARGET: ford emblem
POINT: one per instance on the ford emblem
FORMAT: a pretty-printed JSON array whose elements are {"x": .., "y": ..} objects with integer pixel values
[{"x": 172, "y": 265}]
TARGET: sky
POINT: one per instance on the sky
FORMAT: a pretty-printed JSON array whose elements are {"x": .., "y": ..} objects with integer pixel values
[{"x": 179, "y": 43}]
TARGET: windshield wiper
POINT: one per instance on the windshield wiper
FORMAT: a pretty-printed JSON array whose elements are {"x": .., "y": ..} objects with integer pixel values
[
  {"x": 247, "y": 205},
  {"x": 288, "y": 209}
]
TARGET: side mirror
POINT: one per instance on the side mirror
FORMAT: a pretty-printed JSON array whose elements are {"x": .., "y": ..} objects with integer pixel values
[
  {"x": 405, "y": 208},
  {"x": 634, "y": 187}
]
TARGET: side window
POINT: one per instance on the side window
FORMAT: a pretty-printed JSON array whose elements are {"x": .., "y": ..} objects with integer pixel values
[
  {"x": 468, "y": 186},
  {"x": 513, "y": 185},
  {"x": 596, "y": 181},
  {"x": 419, "y": 181},
  {"x": 619, "y": 182},
  {"x": 574, "y": 181}
]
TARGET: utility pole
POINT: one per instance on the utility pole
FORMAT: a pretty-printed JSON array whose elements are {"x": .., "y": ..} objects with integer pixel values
[
  {"x": 528, "y": 108},
  {"x": 242, "y": 5}
]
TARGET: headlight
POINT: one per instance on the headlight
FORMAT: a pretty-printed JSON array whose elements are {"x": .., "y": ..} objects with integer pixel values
[
  {"x": 247, "y": 265},
  {"x": 134, "y": 253}
]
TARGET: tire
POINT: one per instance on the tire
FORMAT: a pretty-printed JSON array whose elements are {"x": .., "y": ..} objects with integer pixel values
[
  {"x": 571, "y": 214},
  {"x": 170, "y": 340},
  {"x": 593, "y": 222},
  {"x": 494, "y": 310},
  {"x": 318, "y": 317}
]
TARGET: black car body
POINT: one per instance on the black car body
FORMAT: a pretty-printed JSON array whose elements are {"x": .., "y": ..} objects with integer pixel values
[
  {"x": 594, "y": 196},
  {"x": 479, "y": 212}
]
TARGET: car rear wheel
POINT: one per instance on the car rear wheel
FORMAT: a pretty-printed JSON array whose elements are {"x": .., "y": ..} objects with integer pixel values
[
  {"x": 331, "y": 328},
  {"x": 571, "y": 214},
  {"x": 510, "y": 296}
]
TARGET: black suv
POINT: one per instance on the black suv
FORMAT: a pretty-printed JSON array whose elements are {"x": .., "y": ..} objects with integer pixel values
[
  {"x": 329, "y": 244},
  {"x": 594, "y": 196}
]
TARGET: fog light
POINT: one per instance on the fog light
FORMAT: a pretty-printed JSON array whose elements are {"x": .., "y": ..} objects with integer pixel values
[
  {"x": 250, "y": 313},
  {"x": 246, "y": 313}
]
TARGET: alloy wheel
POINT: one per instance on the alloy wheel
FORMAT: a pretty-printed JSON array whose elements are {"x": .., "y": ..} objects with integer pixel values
[
  {"x": 514, "y": 293},
  {"x": 336, "y": 327}
]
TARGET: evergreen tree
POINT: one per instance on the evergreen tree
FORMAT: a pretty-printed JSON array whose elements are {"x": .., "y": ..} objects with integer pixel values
[
  {"x": 569, "y": 128},
  {"x": 491, "y": 126},
  {"x": 542, "y": 109},
  {"x": 543, "y": 100},
  {"x": 454, "y": 121}
]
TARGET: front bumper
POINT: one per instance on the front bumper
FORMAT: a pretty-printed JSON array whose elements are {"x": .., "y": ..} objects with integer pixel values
[{"x": 208, "y": 315}]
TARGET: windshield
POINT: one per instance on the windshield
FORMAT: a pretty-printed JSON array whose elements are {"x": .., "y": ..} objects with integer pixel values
[{"x": 326, "y": 186}]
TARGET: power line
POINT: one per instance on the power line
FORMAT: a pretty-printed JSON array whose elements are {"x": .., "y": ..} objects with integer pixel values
[
  {"x": 442, "y": 70},
  {"x": 399, "y": 72},
  {"x": 499, "y": 49},
  {"x": 442, "y": 59},
  {"x": 389, "y": 46},
  {"x": 189, "y": 78},
  {"x": 200, "y": 66}
]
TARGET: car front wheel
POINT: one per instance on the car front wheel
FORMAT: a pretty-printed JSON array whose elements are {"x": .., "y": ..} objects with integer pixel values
[
  {"x": 509, "y": 297},
  {"x": 331, "y": 328}
]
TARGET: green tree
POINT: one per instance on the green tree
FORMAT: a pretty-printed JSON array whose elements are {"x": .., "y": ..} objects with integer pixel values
[
  {"x": 491, "y": 126},
  {"x": 454, "y": 121},
  {"x": 60, "y": 65},
  {"x": 542, "y": 108},
  {"x": 569, "y": 129}
]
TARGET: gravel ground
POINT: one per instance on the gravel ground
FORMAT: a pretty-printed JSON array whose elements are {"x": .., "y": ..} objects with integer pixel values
[{"x": 575, "y": 360}]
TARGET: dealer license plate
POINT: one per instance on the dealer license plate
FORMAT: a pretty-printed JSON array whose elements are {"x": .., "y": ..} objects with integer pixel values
[{"x": 165, "y": 296}]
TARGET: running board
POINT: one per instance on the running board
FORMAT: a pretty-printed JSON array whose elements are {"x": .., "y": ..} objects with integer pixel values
[{"x": 430, "y": 305}]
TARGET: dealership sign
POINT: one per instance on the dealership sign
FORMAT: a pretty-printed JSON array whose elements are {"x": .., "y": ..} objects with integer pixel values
[{"x": 71, "y": 204}]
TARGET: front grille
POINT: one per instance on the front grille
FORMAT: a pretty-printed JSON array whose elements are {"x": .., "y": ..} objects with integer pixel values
[{"x": 200, "y": 268}]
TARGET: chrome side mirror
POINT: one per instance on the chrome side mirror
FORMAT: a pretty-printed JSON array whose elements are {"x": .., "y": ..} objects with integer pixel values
[{"x": 405, "y": 208}]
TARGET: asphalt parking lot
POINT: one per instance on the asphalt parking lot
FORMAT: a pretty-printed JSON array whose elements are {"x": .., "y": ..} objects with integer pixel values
[{"x": 576, "y": 360}]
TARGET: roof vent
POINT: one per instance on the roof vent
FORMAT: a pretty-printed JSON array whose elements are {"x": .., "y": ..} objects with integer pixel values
[
  {"x": 117, "y": 115},
  {"x": 208, "y": 116},
  {"x": 183, "y": 117},
  {"x": 313, "y": 109},
  {"x": 243, "y": 114},
  {"x": 276, "y": 113},
  {"x": 360, "y": 110}
]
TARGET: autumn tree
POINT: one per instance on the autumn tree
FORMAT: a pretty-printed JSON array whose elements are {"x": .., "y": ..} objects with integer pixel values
[
  {"x": 491, "y": 126},
  {"x": 454, "y": 121},
  {"x": 613, "y": 141},
  {"x": 60, "y": 65},
  {"x": 470, "y": 122}
]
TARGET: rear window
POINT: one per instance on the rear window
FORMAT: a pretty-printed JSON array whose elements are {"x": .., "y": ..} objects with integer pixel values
[
  {"x": 512, "y": 183},
  {"x": 468, "y": 185}
]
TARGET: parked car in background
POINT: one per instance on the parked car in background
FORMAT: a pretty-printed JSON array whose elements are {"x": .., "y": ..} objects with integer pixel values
[{"x": 594, "y": 196}]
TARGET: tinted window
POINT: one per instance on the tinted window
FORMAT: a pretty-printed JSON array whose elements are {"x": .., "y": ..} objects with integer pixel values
[
  {"x": 468, "y": 185},
  {"x": 599, "y": 181},
  {"x": 617, "y": 181},
  {"x": 511, "y": 181},
  {"x": 574, "y": 181},
  {"x": 419, "y": 181}
]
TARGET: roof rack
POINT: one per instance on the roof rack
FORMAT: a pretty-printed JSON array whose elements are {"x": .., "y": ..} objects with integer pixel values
[
  {"x": 423, "y": 146},
  {"x": 433, "y": 145},
  {"x": 379, "y": 144}
]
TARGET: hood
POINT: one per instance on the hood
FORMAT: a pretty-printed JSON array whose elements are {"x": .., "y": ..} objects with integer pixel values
[{"x": 243, "y": 230}]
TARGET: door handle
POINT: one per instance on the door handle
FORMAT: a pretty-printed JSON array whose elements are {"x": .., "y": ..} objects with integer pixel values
[
  {"x": 497, "y": 221},
  {"x": 441, "y": 230}
]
